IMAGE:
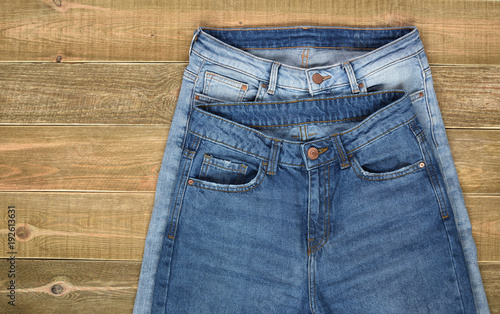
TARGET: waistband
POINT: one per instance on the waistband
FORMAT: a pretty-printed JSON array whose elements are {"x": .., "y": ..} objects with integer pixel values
[
  {"x": 228, "y": 124},
  {"x": 228, "y": 47}
]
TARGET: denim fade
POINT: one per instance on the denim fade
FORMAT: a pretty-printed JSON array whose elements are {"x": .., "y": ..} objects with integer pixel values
[{"x": 307, "y": 170}]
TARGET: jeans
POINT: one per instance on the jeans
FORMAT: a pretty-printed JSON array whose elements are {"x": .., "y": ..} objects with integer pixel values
[{"x": 307, "y": 169}]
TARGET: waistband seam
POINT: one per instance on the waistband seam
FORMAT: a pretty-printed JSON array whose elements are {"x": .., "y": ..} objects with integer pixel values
[
  {"x": 205, "y": 58},
  {"x": 238, "y": 50},
  {"x": 314, "y": 100},
  {"x": 380, "y": 135}
]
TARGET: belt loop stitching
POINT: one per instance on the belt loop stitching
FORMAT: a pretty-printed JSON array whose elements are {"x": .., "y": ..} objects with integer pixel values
[
  {"x": 351, "y": 76},
  {"x": 273, "y": 156},
  {"x": 273, "y": 78},
  {"x": 344, "y": 160},
  {"x": 195, "y": 37}
]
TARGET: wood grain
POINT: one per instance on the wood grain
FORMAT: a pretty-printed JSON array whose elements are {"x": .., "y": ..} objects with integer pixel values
[
  {"x": 453, "y": 32},
  {"x": 110, "y": 287},
  {"x": 144, "y": 93},
  {"x": 128, "y": 158},
  {"x": 475, "y": 153},
  {"x": 77, "y": 225},
  {"x": 70, "y": 286},
  {"x": 490, "y": 272},
  {"x": 113, "y": 226}
]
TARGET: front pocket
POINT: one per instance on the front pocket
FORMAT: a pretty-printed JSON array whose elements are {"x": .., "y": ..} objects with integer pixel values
[
  {"x": 255, "y": 180},
  {"x": 394, "y": 154},
  {"x": 222, "y": 171},
  {"x": 223, "y": 88},
  {"x": 225, "y": 168},
  {"x": 371, "y": 176}
]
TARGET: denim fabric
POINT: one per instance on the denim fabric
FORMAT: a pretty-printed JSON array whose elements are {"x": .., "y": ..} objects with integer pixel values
[{"x": 307, "y": 169}]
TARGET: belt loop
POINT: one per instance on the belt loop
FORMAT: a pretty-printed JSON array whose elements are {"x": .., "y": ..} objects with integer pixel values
[
  {"x": 344, "y": 160},
  {"x": 273, "y": 157},
  {"x": 273, "y": 78},
  {"x": 195, "y": 37},
  {"x": 352, "y": 77}
]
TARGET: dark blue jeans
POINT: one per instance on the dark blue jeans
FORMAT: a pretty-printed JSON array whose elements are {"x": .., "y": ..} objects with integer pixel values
[{"x": 307, "y": 169}]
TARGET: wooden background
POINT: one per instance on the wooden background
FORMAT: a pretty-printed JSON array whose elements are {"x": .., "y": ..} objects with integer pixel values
[{"x": 87, "y": 92}]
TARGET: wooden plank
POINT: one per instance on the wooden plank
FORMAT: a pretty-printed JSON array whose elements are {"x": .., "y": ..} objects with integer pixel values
[
  {"x": 468, "y": 96},
  {"x": 113, "y": 226},
  {"x": 55, "y": 286},
  {"x": 108, "y": 226},
  {"x": 102, "y": 93},
  {"x": 490, "y": 272},
  {"x": 476, "y": 157},
  {"x": 71, "y": 286},
  {"x": 453, "y": 32},
  {"x": 485, "y": 220},
  {"x": 89, "y": 93},
  {"x": 128, "y": 158}
]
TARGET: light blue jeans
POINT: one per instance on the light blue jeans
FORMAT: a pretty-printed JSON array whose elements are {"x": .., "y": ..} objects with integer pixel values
[{"x": 307, "y": 170}]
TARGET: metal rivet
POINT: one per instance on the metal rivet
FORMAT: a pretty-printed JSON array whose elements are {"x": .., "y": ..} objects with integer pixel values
[
  {"x": 244, "y": 87},
  {"x": 421, "y": 165},
  {"x": 361, "y": 85},
  {"x": 190, "y": 182},
  {"x": 264, "y": 85},
  {"x": 197, "y": 97},
  {"x": 312, "y": 153},
  {"x": 421, "y": 94},
  {"x": 317, "y": 78}
]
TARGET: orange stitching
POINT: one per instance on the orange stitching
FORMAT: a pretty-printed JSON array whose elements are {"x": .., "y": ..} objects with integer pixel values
[
  {"x": 311, "y": 99},
  {"x": 174, "y": 209},
  {"x": 328, "y": 208},
  {"x": 366, "y": 178},
  {"x": 360, "y": 57},
  {"x": 324, "y": 221},
  {"x": 212, "y": 164},
  {"x": 307, "y": 122},
  {"x": 322, "y": 150},
  {"x": 211, "y": 139},
  {"x": 281, "y": 48},
  {"x": 314, "y": 285},
  {"x": 373, "y": 139},
  {"x": 437, "y": 183},
  {"x": 208, "y": 138},
  {"x": 263, "y": 175},
  {"x": 225, "y": 80},
  {"x": 206, "y": 160},
  {"x": 337, "y": 145},
  {"x": 391, "y": 105}
]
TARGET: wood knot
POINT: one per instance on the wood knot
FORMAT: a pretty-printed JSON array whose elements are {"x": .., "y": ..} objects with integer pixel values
[
  {"x": 57, "y": 289},
  {"x": 23, "y": 233}
]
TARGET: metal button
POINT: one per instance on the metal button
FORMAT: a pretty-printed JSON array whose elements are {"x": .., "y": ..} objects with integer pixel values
[
  {"x": 317, "y": 78},
  {"x": 312, "y": 153}
]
